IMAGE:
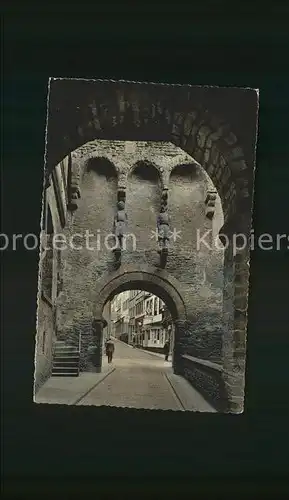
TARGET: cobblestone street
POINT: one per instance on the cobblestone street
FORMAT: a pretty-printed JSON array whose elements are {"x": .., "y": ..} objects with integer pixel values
[{"x": 135, "y": 379}]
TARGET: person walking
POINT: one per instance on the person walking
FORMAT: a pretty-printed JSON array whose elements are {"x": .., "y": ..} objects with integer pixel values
[
  {"x": 167, "y": 350},
  {"x": 109, "y": 347}
]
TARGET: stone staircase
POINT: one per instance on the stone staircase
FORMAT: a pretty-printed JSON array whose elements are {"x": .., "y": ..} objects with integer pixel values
[{"x": 65, "y": 360}]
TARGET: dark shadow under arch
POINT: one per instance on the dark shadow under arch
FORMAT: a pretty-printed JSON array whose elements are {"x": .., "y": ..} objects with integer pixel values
[
  {"x": 102, "y": 166},
  {"x": 146, "y": 171},
  {"x": 190, "y": 170}
]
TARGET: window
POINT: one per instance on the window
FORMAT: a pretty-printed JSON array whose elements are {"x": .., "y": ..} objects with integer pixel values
[
  {"x": 139, "y": 308},
  {"x": 149, "y": 307},
  {"x": 155, "y": 299}
]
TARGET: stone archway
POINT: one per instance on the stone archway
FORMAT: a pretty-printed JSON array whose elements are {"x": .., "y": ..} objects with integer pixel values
[
  {"x": 158, "y": 282},
  {"x": 198, "y": 120},
  {"x": 153, "y": 280}
]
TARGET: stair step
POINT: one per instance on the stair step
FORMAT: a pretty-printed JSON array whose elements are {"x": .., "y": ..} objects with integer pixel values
[
  {"x": 67, "y": 351},
  {"x": 64, "y": 369},
  {"x": 60, "y": 372},
  {"x": 69, "y": 359},
  {"x": 65, "y": 346},
  {"x": 66, "y": 362},
  {"x": 65, "y": 359}
]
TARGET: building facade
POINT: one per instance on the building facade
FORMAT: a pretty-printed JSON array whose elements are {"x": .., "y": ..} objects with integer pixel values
[
  {"x": 55, "y": 216},
  {"x": 120, "y": 321},
  {"x": 142, "y": 319}
]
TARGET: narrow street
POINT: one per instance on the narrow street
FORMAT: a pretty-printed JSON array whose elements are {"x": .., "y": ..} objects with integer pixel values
[
  {"x": 143, "y": 380},
  {"x": 134, "y": 379},
  {"x": 138, "y": 381}
]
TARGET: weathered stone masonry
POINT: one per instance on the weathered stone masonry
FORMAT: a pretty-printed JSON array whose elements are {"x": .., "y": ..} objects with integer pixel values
[
  {"x": 54, "y": 218},
  {"x": 189, "y": 117},
  {"x": 96, "y": 211}
]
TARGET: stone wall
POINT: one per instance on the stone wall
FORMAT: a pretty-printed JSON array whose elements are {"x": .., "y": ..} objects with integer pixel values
[
  {"x": 43, "y": 347},
  {"x": 208, "y": 381},
  {"x": 54, "y": 217},
  {"x": 143, "y": 168}
]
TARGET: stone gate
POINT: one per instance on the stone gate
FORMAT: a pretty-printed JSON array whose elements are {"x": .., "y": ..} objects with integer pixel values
[{"x": 150, "y": 147}]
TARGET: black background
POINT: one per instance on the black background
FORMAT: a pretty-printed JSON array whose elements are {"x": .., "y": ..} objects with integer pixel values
[{"x": 59, "y": 449}]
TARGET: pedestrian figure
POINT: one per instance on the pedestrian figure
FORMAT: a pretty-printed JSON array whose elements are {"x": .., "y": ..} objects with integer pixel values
[
  {"x": 109, "y": 347},
  {"x": 167, "y": 350}
]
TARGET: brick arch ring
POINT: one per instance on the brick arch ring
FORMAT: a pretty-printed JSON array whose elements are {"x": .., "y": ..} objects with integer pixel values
[{"x": 154, "y": 280}]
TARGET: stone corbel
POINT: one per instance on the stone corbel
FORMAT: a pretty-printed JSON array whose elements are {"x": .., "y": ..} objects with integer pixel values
[
  {"x": 210, "y": 204},
  {"x": 120, "y": 218},
  {"x": 121, "y": 193},
  {"x": 74, "y": 196},
  {"x": 163, "y": 229},
  {"x": 165, "y": 194}
]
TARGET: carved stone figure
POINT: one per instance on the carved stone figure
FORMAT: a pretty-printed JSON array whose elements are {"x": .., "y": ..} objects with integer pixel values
[
  {"x": 163, "y": 229},
  {"x": 120, "y": 222},
  {"x": 74, "y": 196},
  {"x": 165, "y": 197},
  {"x": 210, "y": 202}
]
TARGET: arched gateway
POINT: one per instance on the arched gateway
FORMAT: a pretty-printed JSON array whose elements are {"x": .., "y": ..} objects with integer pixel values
[
  {"x": 154, "y": 280},
  {"x": 199, "y": 122}
]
